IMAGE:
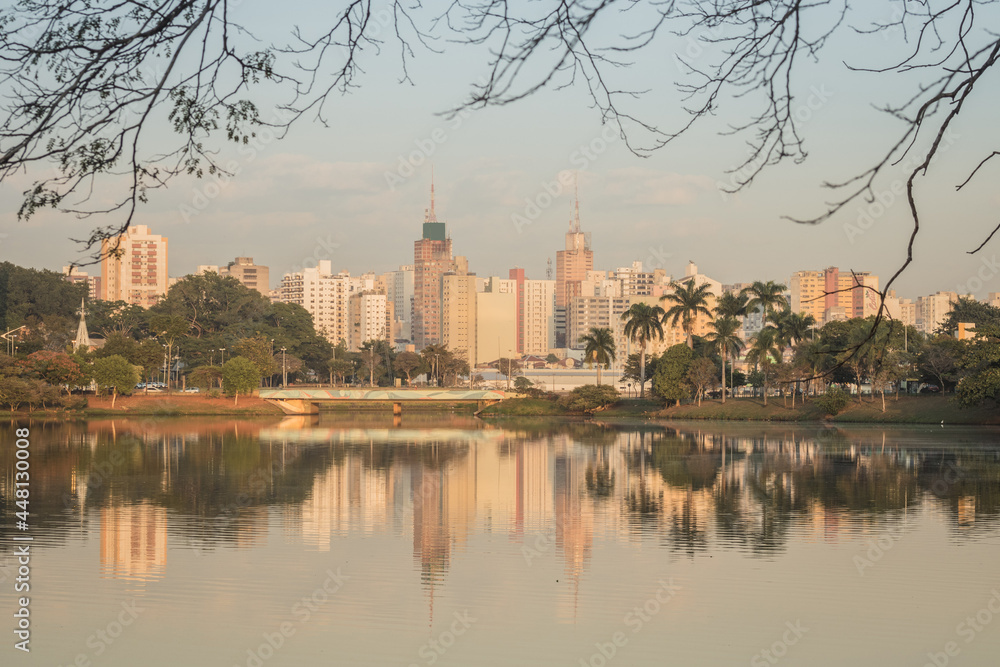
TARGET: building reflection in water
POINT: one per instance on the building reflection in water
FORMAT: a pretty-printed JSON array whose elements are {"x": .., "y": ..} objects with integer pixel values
[
  {"x": 553, "y": 488},
  {"x": 133, "y": 541}
]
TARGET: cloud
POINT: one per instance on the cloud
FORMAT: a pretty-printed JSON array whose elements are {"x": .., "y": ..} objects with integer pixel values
[{"x": 650, "y": 187}]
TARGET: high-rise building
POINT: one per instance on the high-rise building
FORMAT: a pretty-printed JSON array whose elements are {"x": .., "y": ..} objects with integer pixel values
[
  {"x": 253, "y": 276},
  {"x": 993, "y": 299},
  {"x": 536, "y": 317},
  {"x": 458, "y": 313},
  {"x": 250, "y": 275},
  {"x": 572, "y": 265},
  {"x": 496, "y": 321},
  {"x": 74, "y": 275},
  {"x": 517, "y": 275},
  {"x": 399, "y": 292},
  {"x": 932, "y": 310},
  {"x": 326, "y": 296},
  {"x": 432, "y": 258},
  {"x": 832, "y": 294},
  {"x": 134, "y": 267},
  {"x": 370, "y": 316}
]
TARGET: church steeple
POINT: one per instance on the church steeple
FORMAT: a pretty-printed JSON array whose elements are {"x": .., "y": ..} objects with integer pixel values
[{"x": 82, "y": 336}]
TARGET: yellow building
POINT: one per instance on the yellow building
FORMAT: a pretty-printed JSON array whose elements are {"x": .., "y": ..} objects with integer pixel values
[
  {"x": 458, "y": 313},
  {"x": 496, "y": 326}
]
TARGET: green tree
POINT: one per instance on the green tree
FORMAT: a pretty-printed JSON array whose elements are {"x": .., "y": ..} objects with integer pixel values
[
  {"x": 408, "y": 364},
  {"x": 339, "y": 368},
  {"x": 55, "y": 368},
  {"x": 508, "y": 368},
  {"x": 765, "y": 296},
  {"x": 31, "y": 296},
  {"x": 120, "y": 344},
  {"x": 240, "y": 375},
  {"x": 522, "y": 384},
  {"x": 643, "y": 323},
  {"x": 632, "y": 370},
  {"x": 731, "y": 304},
  {"x": 149, "y": 357},
  {"x": 940, "y": 358},
  {"x": 117, "y": 374},
  {"x": 168, "y": 328},
  {"x": 687, "y": 301},
  {"x": 726, "y": 340},
  {"x": 701, "y": 375},
  {"x": 258, "y": 350},
  {"x": 205, "y": 377},
  {"x": 598, "y": 348},
  {"x": 670, "y": 378},
  {"x": 981, "y": 362},
  {"x": 589, "y": 398},
  {"x": 764, "y": 355}
]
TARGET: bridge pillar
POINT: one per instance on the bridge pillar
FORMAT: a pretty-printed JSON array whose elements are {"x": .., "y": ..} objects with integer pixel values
[{"x": 397, "y": 409}]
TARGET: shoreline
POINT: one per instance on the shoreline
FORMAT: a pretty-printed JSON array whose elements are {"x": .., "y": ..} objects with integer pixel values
[{"x": 926, "y": 410}]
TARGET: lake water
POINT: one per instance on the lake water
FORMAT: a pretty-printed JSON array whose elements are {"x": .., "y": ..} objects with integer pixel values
[{"x": 444, "y": 540}]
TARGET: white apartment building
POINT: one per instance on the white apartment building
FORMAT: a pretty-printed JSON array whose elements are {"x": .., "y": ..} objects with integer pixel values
[
  {"x": 538, "y": 312},
  {"x": 326, "y": 296}
]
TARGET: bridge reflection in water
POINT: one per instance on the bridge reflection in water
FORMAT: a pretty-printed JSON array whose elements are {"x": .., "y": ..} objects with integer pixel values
[{"x": 311, "y": 401}]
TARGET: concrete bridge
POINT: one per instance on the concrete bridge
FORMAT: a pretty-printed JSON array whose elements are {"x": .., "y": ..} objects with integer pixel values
[{"x": 310, "y": 401}]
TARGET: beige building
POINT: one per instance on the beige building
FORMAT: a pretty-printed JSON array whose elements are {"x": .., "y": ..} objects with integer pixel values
[
  {"x": 496, "y": 326},
  {"x": 833, "y": 294},
  {"x": 326, "y": 296},
  {"x": 458, "y": 313},
  {"x": 75, "y": 275},
  {"x": 134, "y": 267},
  {"x": 250, "y": 275},
  {"x": 932, "y": 310},
  {"x": 537, "y": 317},
  {"x": 371, "y": 318},
  {"x": 253, "y": 276},
  {"x": 993, "y": 299}
]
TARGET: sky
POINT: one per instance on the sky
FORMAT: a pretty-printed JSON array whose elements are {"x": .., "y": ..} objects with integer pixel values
[{"x": 355, "y": 191}]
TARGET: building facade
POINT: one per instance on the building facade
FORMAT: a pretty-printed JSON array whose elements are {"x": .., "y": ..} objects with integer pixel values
[{"x": 134, "y": 267}]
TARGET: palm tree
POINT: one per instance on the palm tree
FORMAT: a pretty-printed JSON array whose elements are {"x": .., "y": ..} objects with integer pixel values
[
  {"x": 731, "y": 304},
  {"x": 766, "y": 296},
  {"x": 727, "y": 341},
  {"x": 763, "y": 352},
  {"x": 642, "y": 323},
  {"x": 688, "y": 301},
  {"x": 599, "y": 348}
]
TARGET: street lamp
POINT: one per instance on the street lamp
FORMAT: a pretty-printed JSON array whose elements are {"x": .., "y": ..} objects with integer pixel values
[
  {"x": 223, "y": 350},
  {"x": 284, "y": 374}
]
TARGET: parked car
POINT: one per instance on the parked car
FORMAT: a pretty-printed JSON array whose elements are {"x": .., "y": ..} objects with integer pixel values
[
  {"x": 192, "y": 390},
  {"x": 930, "y": 389}
]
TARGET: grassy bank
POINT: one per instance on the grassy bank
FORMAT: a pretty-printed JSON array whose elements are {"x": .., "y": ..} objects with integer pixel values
[
  {"x": 158, "y": 405},
  {"x": 907, "y": 410},
  {"x": 540, "y": 407}
]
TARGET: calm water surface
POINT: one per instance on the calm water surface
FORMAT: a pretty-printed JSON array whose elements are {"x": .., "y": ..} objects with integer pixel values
[{"x": 449, "y": 541}]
